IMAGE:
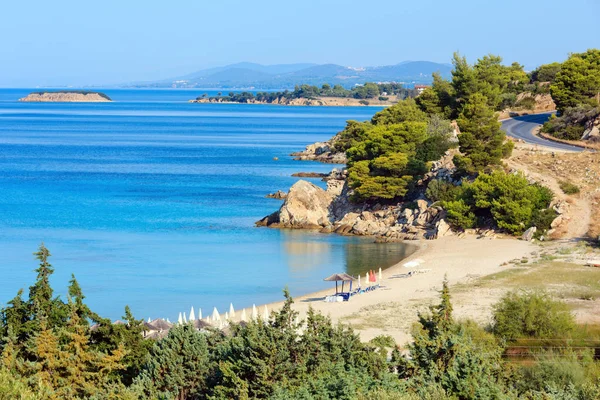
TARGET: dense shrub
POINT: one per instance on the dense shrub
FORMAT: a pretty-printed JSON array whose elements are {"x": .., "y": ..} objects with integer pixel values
[
  {"x": 571, "y": 124},
  {"x": 568, "y": 187},
  {"x": 531, "y": 315},
  {"x": 384, "y": 158},
  {"x": 508, "y": 199},
  {"x": 439, "y": 190},
  {"x": 403, "y": 111}
]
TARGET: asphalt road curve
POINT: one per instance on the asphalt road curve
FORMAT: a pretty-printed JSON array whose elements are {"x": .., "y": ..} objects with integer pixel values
[{"x": 522, "y": 127}]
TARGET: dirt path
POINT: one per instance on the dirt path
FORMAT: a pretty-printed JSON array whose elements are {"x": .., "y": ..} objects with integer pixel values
[{"x": 579, "y": 213}]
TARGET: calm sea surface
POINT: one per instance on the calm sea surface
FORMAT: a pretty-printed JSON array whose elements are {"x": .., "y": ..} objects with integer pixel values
[{"x": 150, "y": 201}]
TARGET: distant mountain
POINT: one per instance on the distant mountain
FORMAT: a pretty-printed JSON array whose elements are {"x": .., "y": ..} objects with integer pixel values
[{"x": 286, "y": 76}]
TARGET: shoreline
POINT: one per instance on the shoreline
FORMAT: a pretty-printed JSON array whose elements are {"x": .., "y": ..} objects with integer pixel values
[{"x": 460, "y": 259}]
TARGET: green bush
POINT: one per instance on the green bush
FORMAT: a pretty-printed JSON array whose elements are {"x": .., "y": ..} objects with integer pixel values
[
  {"x": 439, "y": 190},
  {"x": 460, "y": 214},
  {"x": 383, "y": 98},
  {"x": 508, "y": 199},
  {"x": 568, "y": 187},
  {"x": 531, "y": 315}
]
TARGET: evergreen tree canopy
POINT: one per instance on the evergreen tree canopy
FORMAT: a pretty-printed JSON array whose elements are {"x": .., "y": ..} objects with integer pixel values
[
  {"x": 481, "y": 142},
  {"x": 578, "y": 81}
]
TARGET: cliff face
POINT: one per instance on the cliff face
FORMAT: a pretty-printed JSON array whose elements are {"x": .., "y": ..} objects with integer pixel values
[{"x": 66, "y": 97}]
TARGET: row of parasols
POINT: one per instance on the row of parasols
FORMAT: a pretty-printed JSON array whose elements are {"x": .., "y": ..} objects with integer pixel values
[{"x": 216, "y": 319}]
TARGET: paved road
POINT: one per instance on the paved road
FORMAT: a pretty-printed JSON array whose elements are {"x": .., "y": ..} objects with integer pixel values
[{"x": 521, "y": 127}]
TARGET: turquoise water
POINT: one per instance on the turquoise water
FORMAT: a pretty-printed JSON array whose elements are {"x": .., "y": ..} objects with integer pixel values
[{"x": 150, "y": 201}]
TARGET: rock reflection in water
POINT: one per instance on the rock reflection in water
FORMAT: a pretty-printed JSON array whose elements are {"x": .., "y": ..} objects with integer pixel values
[{"x": 305, "y": 251}]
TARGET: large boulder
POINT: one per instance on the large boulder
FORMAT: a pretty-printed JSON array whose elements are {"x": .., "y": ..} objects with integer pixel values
[
  {"x": 306, "y": 206},
  {"x": 442, "y": 229},
  {"x": 528, "y": 234}
]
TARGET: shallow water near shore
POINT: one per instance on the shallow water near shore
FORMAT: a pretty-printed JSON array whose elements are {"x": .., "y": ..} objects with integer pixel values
[{"x": 151, "y": 201}]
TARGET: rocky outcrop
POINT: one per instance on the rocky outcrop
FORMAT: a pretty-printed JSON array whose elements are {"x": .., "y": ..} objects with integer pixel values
[
  {"x": 316, "y": 101},
  {"x": 592, "y": 130},
  {"x": 528, "y": 234},
  {"x": 309, "y": 175},
  {"x": 66, "y": 97},
  {"x": 279, "y": 195},
  {"x": 322, "y": 152},
  {"x": 308, "y": 206}
]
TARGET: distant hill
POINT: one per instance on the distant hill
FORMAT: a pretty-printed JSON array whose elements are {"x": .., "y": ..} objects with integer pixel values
[{"x": 286, "y": 76}]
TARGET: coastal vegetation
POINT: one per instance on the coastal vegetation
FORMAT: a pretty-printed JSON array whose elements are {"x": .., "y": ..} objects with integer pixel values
[
  {"x": 389, "y": 156},
  {"x": 50, "y": 349},
  {"x": 575, "y": 88},
  {"x": 362, "y": 92}
]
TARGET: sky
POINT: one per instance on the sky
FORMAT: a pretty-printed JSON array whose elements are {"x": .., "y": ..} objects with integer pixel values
[{"x": 75, "y": 42}]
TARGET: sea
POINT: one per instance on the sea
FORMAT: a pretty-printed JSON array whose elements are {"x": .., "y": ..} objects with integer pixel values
[{"x": 150, "y": 201}]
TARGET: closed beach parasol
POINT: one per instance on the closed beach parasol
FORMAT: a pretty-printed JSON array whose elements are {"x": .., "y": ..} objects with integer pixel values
[
  {"x": 180, "y": 319},
  {"x": 254, "y": 312},
  {"x": 199, "y": 313},
  {"x": 380, "y": 276},
  {"x": 358, "y": 280},
  {"x": 231, "y": 311},
  {"x": 266, "y": 313},
  {"x": 184, "y": 318},
  {"x": 243, "y": 317},
  {"x": 366, "y": 279},
  {"x": 226, "y": 316},
  {"x": 192, "y": 314},
  {"x": 215, "y": 315}
]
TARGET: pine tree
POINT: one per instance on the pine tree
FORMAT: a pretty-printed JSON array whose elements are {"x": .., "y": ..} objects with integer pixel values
[{"x": 481, "y": 142}]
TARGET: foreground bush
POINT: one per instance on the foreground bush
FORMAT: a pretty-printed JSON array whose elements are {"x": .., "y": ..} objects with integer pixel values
[{"x": 531, "y": 315}]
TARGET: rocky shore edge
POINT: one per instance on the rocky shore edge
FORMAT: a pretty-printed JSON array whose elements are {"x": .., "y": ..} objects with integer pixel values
[
  {"x": 330, "y": 210},
  {"x": 307, "y": 206},
  {"x": 317, "y": 101}
]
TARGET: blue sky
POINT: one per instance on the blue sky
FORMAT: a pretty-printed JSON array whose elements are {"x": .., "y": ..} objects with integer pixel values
[{"x": 77, "y": 42}]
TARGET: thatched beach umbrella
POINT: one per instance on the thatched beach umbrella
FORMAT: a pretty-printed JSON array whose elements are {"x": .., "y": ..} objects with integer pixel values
[
  {"x": 192, "y": 314},
  {"x": 199, "y": 324},
  {"x": 340, "y": 277},
  {"x": 266, "y": 314},
  {"x": 243, "y": 317},
  {"x": 231, "y": 311},
  {"x": 254, "y": 312},
  {"x": 161, "y": 324}
]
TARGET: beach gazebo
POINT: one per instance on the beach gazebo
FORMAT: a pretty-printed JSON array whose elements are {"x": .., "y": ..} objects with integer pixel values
[{"x": 340, "y": 277}]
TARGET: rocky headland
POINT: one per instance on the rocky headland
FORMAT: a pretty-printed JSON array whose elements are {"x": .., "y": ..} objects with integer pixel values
[
  {"x": 317, "y": 101},
  {"x": 66, "y": 97},
  {"x": 308, "y": 206}
]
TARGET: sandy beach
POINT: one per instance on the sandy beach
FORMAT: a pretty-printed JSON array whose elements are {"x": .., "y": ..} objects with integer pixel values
[{"x": 392, "y": 309}]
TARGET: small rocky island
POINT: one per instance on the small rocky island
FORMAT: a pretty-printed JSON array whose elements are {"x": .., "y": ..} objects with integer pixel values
[{"x": 66, "y": 96}]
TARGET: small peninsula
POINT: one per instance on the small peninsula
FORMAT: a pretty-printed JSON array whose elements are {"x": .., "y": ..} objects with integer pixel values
[
  {"x": 66, "y": 96},
  {"x": 369, "y": 94}
]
